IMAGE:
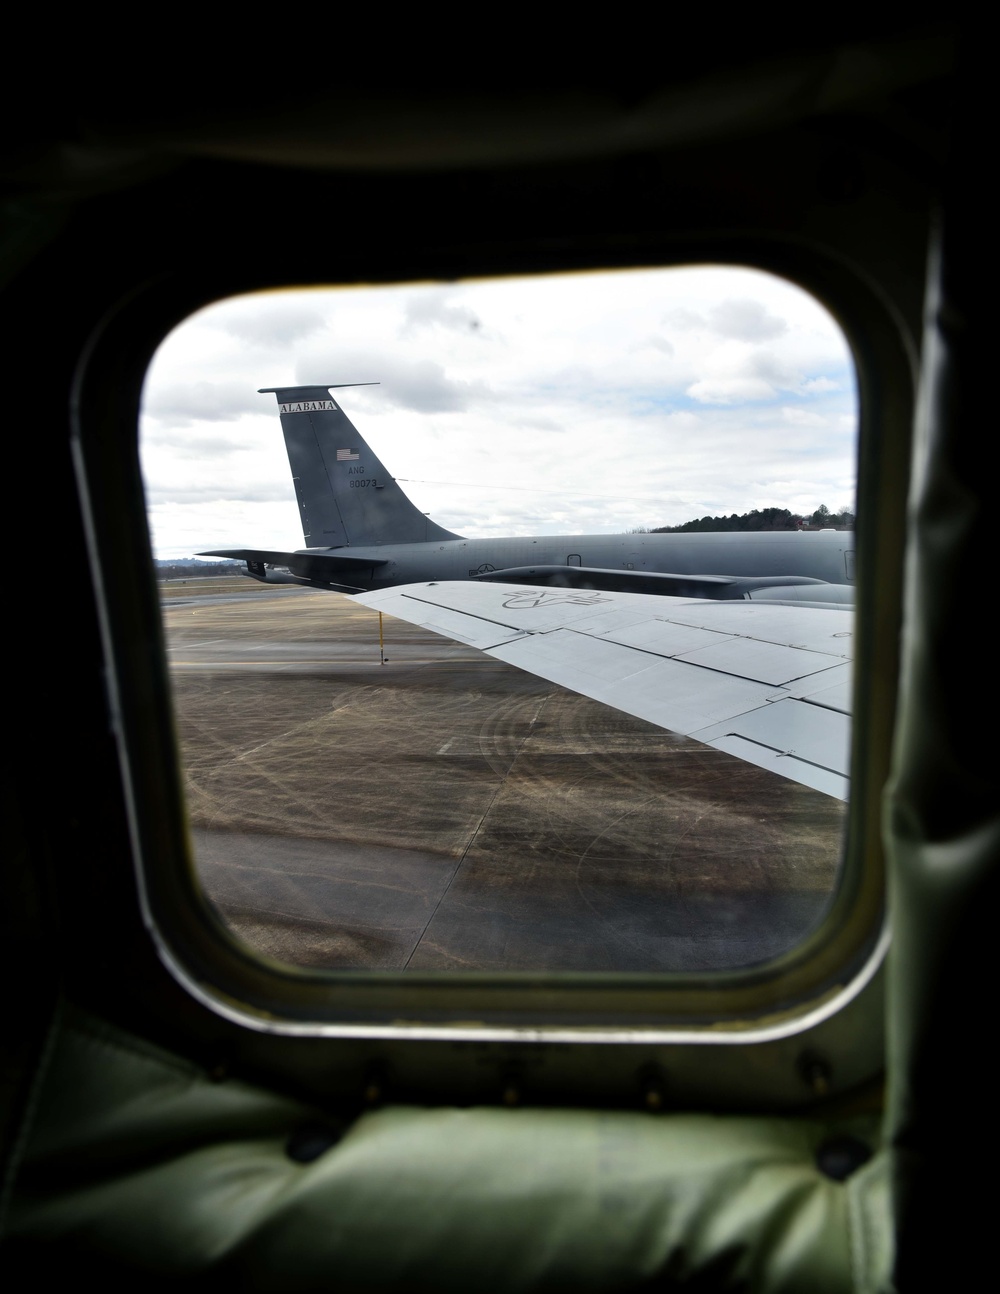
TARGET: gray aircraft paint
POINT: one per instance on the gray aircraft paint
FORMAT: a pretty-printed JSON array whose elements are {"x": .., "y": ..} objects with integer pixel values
[{"x": 362, "y": 532}]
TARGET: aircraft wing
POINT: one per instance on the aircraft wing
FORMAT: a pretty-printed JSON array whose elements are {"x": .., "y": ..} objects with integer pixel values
[{"x": 770, "y": 684}]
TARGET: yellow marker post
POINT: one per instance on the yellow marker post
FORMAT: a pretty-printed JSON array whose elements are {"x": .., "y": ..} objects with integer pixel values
[{"x": 381, "y": 640}]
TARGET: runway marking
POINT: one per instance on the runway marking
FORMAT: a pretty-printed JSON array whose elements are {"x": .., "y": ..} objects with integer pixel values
[{"x": 444, "y": 749}]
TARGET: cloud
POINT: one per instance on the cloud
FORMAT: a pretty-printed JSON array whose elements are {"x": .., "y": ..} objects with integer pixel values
[
  {"x": 774, "y": 370},
  {"x": 424, "y": 387},
  {"x": 743, "y": 319},
  {"x": 572, "y": 396},
  {"x": 434, "y": 311},
  {"x": 738, "y": 375},
  {"x": 729, "y": 390},
  {"x": 684, "y": 320},
  {"x": 182, "y": 405},
  {"x": 537, "y": 422},
  {"x": 802, "y": 417},
  {"x": 193, "y": 446},
  {"x": 275, "y": 324},
  {"x": 216, "y": 492},
  {"x": 661, "y": 344},
  {"x": 418, "y": 385}
]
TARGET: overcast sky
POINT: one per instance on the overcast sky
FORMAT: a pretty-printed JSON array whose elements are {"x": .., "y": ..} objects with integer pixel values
[{"x": 587, "y": 403}]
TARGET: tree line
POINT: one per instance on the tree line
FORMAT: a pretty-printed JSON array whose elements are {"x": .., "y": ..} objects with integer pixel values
[{"x": 767, "y": 519}]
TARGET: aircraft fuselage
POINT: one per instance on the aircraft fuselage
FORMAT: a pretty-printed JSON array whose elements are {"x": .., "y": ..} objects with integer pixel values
[
  {"x": 821, "y": 555},
  {"x": 363, "y": 533}
]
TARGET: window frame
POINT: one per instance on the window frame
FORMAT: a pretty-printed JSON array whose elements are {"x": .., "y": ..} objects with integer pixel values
[{"x": 781, "y": 999}]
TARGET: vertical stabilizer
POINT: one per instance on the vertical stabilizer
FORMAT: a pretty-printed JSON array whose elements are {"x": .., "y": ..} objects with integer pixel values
[{"x": 345, "y": 495}]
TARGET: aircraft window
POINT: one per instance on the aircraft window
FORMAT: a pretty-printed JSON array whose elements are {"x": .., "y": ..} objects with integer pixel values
[{"x": 649, "y": 771}]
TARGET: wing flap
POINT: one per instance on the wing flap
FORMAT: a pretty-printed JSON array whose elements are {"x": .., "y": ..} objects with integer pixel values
[
  {"x": 795, "y": 769},
  {"x": 831, "y": 689}
]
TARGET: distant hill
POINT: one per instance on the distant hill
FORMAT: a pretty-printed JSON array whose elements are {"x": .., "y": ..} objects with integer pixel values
[{"x": 767, "y": 519}]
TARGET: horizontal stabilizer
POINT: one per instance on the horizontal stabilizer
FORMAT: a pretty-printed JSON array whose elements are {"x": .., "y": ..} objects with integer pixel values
[
  {"x": 309, "y": 566},
  {"x": 310, "y": 557},
  {"x": 769, "y": 684}
]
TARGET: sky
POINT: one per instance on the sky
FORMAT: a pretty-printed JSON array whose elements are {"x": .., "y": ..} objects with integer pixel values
[{"x": 561, "y": 404}]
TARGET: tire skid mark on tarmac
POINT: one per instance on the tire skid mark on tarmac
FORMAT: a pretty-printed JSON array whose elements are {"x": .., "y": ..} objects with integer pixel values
[
  {"x": 473, "y": 838},
  {"x": 508, "y": 788}
]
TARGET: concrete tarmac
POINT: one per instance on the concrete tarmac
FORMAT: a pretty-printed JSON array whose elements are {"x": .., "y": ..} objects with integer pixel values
[{"x": 447, "y": 811}]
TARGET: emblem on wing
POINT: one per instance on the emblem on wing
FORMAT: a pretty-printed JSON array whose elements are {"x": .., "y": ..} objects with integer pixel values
[{"x": 528, "y": 598}]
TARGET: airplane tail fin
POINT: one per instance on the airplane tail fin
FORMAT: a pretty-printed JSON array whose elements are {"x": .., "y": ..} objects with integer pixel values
[{"x": 345, "y": 495}]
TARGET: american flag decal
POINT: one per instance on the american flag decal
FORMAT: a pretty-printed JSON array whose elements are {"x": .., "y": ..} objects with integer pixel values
[{"x": 346, "y": 455}]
